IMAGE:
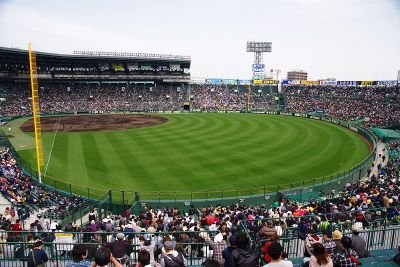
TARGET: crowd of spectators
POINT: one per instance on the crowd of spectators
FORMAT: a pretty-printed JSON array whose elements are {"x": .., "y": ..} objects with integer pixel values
[
  {"x": 25, "y": 195},
  {"x": 376, "y": 105},
  {"x": 93, "y": 97},
  {"x": 169, "y": 231},
  {"x": 166, "y": 235}
]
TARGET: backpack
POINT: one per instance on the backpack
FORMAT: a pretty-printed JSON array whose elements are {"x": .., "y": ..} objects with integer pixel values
[
  {"x": 242, "y": 258},
  {"x": 171, "y": 261}
]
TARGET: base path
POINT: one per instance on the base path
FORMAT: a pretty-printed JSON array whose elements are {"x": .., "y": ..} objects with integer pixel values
[{"x": 86, "y": 123}]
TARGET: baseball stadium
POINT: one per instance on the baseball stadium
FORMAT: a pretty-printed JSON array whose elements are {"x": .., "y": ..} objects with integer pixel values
[{"x": 126, "y": 159}]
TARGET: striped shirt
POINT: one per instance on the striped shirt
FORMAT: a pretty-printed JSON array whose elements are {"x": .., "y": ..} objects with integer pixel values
[{"x": 330, "y": 247}]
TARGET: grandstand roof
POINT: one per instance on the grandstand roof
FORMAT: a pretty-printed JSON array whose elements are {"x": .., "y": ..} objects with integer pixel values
[
  {"x": 8, "y": 55},
  {"x": 386, "y": 133}
]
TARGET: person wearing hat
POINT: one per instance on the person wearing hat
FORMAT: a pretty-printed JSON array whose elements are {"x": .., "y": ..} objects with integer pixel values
[
  {"x": 37, "y": 256},
  {"x": 358, "y": 243},
  {"x": 275, "y": 251},
  {"x": 170, "y": 257},
  {"x": 120, "y": 248},
  {"x": 148, "y": 244},
  {"x": 337, "y": 236}
]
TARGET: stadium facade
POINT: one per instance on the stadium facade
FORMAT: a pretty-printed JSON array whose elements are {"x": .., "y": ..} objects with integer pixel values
[{"x": 96, "y": 66}]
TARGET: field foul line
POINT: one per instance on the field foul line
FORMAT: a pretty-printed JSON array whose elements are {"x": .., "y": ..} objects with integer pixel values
[{"x": 51, "y": 149}]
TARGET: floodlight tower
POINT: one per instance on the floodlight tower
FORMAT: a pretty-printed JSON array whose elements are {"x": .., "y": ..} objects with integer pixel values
[{"x": 258, "y": 48}]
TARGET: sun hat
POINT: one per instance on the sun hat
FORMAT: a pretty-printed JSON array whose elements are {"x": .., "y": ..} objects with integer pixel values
[{"x": 337, "y": 235}]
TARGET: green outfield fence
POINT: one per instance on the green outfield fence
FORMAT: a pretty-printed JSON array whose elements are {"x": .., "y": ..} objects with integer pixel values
[{"x": 301, "y": 191}]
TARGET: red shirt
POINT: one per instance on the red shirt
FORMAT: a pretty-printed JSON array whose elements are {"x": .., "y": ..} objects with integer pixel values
[
  {"x": 264, "y": 250},
  {"x": 16, "y": 227}
]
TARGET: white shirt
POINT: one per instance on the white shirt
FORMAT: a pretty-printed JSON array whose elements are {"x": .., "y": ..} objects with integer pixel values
[
  {"x": 53, "y": 226},
  {"x": 281, "y": 263}
]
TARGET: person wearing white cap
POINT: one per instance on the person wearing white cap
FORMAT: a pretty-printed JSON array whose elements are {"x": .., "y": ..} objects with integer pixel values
[
  {"x": 148, "y": 244},
  {"x": 358, "y": 243},
  {"x": 171, "y": 257},
  {"x": 120, "y": 248}
]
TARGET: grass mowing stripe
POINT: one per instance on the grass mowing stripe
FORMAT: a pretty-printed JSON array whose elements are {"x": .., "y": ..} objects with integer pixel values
[
  {"x": 93, "y": 158},
  {"x": 135, "y": 171},
  {"x": 210, "y": 151}
]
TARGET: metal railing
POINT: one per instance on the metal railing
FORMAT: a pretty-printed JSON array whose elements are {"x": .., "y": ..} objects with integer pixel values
[{"x": 58, "y": 246}]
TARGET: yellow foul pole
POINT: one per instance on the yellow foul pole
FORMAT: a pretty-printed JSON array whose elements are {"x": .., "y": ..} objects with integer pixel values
[
  {"x": 36, "y": 111},
  {"x": 248, "y": 99}
]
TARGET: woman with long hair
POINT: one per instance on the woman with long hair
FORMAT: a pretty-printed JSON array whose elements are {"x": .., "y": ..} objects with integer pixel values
[{"x": 320, "y": 257}]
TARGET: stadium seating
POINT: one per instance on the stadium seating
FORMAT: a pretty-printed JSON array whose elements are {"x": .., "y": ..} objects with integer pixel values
[{"x": 374, "y": 105}]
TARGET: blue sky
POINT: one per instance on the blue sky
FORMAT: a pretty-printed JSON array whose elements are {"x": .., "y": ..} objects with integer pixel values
[{"x": 345, "y": 39}]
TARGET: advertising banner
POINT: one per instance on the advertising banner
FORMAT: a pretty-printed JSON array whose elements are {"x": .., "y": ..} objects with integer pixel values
[
  {"x": 366, "y": 83},
  {"x": 244, "y": 82},
  {"x": 230, "y": 81},
  {"x": 258, "y": 68},
  {"x": 265, "y": 82},
  {"x": 214, "y": 81},
  {"x": 347, "y": 83},
  {"x": 328, "y": 83},
  {"x": 197, "y": 81},
  {"x": 387, "y": 83},
  {"x": 306, "y": 82}
]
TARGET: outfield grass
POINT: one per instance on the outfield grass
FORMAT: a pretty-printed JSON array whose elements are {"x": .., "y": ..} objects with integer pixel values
[{"x": 195, "y": 152}]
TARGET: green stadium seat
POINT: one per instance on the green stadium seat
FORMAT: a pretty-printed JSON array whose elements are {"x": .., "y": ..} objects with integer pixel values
[
  {"x": 297, "y": 262},
  {"x": 368, "y": 260},
  {"x": 391, "y": 252},
  {"x": 385, "y": 264}
]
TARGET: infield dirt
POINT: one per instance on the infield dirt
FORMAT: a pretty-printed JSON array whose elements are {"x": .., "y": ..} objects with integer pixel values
[{"x": 86, "y": 123}]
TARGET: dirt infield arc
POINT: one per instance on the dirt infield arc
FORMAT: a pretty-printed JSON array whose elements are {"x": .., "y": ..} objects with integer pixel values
[{"x": 89, "y": 123}]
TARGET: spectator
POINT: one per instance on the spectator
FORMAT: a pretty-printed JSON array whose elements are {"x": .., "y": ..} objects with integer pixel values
[
  {"x": 210, "y": 263},
  {"x": 347, "y": 257},
  {"x": 320, "y": 257},
  {"x": 275, "y": 251},
  {"x": 79, "y": 255},
  {"x": 227, "y": 253},
  {"x": 268, "y": 230},
  {"x": 328, "y": 243},
  {"x": 218, "y": 245},
  {"x": 337, "y": 237},
  {"x": 264, "y": 249},
  {"x": 37, "y": 256},
  {"x": 144, "y": 259},
  {"x": 243, "y": 256},
  {"x": 120, "y": 248},
  {"x": 103, "y": 257},
  {"x": 358, "y": 243},
  {"x": 171, "y": 257},
  {"x": 148, "y": 244}
]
